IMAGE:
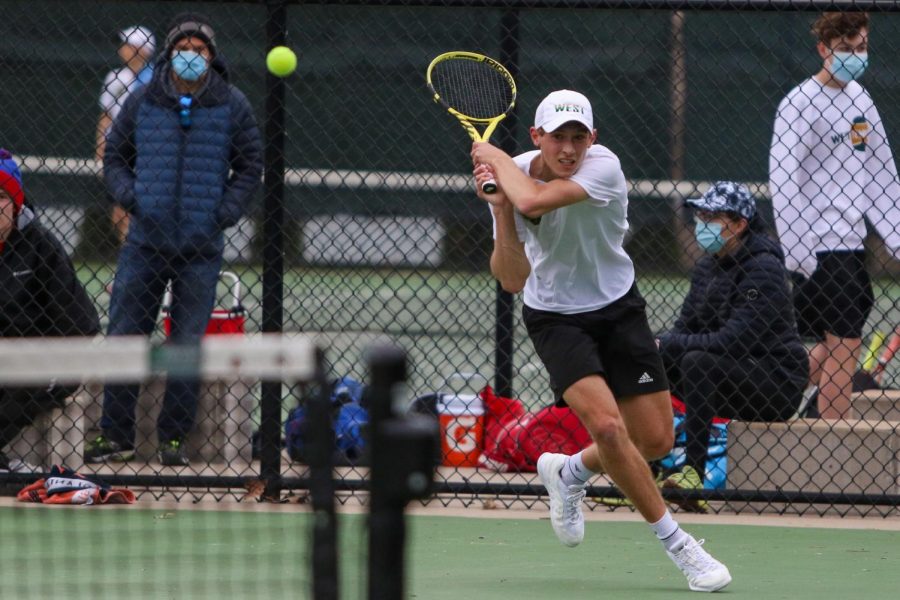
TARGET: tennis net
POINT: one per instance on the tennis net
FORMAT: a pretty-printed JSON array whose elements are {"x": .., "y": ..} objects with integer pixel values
[{"x": 142, "y": 529}]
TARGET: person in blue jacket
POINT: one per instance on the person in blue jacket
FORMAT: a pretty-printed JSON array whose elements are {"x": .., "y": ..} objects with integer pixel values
[
  {"x": 184, "y": 158},
  {"x": 734, "y": 351}
]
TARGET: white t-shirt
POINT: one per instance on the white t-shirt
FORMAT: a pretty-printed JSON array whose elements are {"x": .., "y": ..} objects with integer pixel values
[
  {"x": 117, "y": 85},
  {"x": 830, "y": 166},
  {"x": 577, "y": 260}
]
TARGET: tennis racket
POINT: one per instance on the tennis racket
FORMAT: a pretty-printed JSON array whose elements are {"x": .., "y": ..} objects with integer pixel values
[
  {"x": 475, "y": 89},
  {"x": 893, "y": 346}
]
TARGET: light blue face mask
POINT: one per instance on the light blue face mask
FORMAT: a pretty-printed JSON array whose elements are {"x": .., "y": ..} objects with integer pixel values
[
  {"x": 709, "y": 236},
  {"x": 188, "y": 65},
  {"x": 847, "y": 66}
]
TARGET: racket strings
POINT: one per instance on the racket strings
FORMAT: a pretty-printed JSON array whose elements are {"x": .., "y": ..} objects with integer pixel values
[{"x": 474, "y": 89}]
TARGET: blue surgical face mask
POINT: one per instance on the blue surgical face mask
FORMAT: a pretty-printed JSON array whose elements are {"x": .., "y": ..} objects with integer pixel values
[
  {"x": 709, "y": 236},
  {"x": 188, "y": 65},
  {"x": 847, "y": 66}
]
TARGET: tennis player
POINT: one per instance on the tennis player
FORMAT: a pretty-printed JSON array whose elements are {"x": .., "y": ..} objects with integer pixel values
[
  {"x": 560, "y": 217},
  {"x": 831, "y": 170}
]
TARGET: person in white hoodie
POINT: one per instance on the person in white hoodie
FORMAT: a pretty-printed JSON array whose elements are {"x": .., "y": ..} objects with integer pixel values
[{"x": 830, "y": 169}]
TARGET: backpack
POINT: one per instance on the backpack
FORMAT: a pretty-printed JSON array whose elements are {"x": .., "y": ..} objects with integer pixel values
[
  {"x": 350, "y": 415},
  {"x": 716, "y": 461}
]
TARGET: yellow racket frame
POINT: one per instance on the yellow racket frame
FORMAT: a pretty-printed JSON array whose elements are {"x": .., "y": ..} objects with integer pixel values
[{"x": 468, "y": 121}]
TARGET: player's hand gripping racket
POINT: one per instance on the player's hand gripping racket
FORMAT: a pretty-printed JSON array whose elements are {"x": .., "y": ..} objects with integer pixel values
[{"x": 475, "y": 89}]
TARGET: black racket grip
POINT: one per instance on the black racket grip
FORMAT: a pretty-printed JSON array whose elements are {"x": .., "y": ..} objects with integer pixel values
[{"x": 489, "y": 187}]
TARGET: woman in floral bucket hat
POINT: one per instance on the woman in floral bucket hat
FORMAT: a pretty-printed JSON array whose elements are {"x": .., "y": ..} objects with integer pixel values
[{"x": 734, "y": 351}]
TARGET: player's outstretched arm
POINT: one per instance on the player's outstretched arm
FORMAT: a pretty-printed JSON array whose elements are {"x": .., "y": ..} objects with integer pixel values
[{"x": 509, "y": 263}]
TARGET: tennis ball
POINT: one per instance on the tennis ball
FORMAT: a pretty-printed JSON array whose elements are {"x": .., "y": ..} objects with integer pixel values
[{"x": 281, "y": 61}]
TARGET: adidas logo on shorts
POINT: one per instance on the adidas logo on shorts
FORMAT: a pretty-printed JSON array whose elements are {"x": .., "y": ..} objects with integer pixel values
[{"x": 645, "y": 378}]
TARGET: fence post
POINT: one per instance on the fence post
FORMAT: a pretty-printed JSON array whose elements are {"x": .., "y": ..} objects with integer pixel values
[
  {"x": 273, "y": 250},
  {"x": 504, "y": 333}
]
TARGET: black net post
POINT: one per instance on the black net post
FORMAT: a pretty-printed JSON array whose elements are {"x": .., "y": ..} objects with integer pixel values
[
  {"x": 321, "y": 487},
  {"x": 403, "y": 462},
  {"x": 387, "y": 527}
]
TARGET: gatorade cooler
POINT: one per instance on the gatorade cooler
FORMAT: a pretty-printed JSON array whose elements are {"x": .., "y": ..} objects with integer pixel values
[
  {"x": 462, "y": 429},
  {"x": 222, "y": 320}
]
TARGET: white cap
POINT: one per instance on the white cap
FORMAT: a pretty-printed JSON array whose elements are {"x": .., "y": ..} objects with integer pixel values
[
  {"x": 561, "y": 107},
  {"x": 138, "y": 37}
]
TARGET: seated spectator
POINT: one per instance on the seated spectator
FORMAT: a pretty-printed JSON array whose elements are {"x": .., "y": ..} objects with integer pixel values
[
  {"x": 734, "y": 351},
  {"x": 39, "y": 296}
]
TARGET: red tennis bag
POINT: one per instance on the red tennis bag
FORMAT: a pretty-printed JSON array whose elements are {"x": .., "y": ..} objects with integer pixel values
[{"x": 514, "y": 438}]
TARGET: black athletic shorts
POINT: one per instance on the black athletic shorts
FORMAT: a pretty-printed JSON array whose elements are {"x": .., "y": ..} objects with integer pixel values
[
  {"x": 837, "y": 298},
  {"x": 614, "y": 341}
]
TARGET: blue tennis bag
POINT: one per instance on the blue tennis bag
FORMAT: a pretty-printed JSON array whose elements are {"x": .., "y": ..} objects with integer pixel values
[
  {"x": 716, "y": 461},
  {"x": 349, "y": 418}
]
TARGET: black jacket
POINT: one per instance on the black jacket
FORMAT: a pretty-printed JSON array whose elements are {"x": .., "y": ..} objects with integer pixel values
[
  {"x": 740, "y": 306},
  {"x": 39, "y": 292}
]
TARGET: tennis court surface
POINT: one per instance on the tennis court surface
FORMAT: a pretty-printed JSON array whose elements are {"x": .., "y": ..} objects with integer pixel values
[{"x": 168, "y": 550}]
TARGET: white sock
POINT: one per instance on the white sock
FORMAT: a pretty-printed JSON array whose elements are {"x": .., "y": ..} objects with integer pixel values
[
  {"x": 669, "y": 533},
  {"x": 574, "y": 472}
]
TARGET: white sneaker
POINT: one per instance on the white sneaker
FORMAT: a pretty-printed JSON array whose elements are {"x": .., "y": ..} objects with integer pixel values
[
  {"x": 704, "y": 573},
  {"x": 565, "y": 501},
  {"x": 20, "y": 466},
  {"x": 17, "y": 465}
]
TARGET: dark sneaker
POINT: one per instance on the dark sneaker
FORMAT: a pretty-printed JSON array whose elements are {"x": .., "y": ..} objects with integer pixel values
[
  {"x": 102, "y": 449},
  {"x": 171, "y": 454},
  {"x": 687, "y": 479}
]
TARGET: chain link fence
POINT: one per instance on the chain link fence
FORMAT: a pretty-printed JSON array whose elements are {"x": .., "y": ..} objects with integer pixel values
[{"x": 384, "y": 239}]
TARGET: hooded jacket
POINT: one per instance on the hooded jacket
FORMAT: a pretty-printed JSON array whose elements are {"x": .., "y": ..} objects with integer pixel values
[
  {"x": 184, "y": 181},
  {"x": 740, "y": 306},
  {"x": 40, "y": 294}
]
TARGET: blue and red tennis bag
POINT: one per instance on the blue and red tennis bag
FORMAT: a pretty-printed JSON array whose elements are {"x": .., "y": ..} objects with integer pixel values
[
  {"x": 349, "y": 418},
  {"x": 716, "y": 461}
]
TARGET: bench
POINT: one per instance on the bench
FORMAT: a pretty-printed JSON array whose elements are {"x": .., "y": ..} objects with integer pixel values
[
  {"x": 54, "y": 438},
  {"x": 223, "y": 426},
  {"x": 222, "y": 432},
  {"x": 814, "y": 455},
  {"x": 876, "y": 405}
]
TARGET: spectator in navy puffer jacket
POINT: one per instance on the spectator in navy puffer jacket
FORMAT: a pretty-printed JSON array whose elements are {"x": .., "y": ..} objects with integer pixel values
[
  {"x": 184, "y": 159},
  {"x": 734, "y": 351}
]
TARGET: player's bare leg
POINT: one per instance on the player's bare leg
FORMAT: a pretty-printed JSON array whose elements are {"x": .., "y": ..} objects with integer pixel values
[
  {"x": 615, "y": 453},
  {"x": 836, "y": 378},
  {"x": 649, "y": 418}
]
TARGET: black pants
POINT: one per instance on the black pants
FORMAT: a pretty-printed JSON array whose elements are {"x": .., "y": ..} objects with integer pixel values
[
  {"x": 711, "y": 385},
  {"x": 19, "y": 407}
]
